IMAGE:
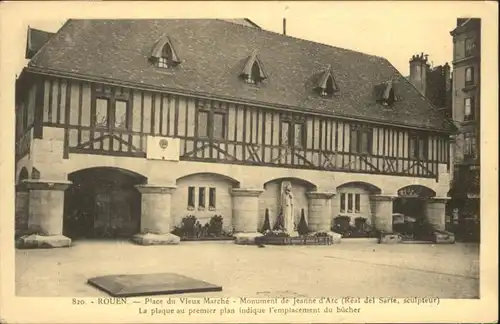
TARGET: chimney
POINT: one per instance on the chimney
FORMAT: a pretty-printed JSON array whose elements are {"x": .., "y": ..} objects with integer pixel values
[
  {"x": 284, "y": 26},
  {"x": 418, "y": 72},
  {"x": 447, "y": 76}
]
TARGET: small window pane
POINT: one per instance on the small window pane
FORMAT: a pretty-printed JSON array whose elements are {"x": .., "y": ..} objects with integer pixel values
[
  {"x": 468, "y": 107},
  {"x": 413, "y": 147},
  {"x": 285, "y": 131},
  {"x": 468, "y": 74},
  {"x": 191, "y": 197},
  {"x": 120, "y": 114},
  {"x": 201, "y": 197},
  {"x": 353, "y": 141},
  {"x": 255, "y": 73},
  {"x": 365, "y": 142},
  {"x": 218, "y": 126},
  {"x": 101, "y": 112},
  {"x": 299, "y": 135},
  {"x": 203, "y": 124},
  {"x": 211, "y": 198},
  {"x": 357, "y": 203},
  {"x": 349, "y": 203},
  {"x": 422, "y": 148},
  {"x": 342, "y": 203}
]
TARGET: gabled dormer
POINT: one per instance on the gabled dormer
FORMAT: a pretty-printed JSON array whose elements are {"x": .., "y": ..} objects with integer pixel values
[
  {"x": 253, "y": 72},
  {"x": 35, "y": 40},
  {"x": 326, "y": 85},
  {"x": 163, "y": 54},
  {"x": 385, "y": 93}
]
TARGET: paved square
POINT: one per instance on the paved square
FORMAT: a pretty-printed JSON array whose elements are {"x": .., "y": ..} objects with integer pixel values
[{"x": 348, "y": 269}]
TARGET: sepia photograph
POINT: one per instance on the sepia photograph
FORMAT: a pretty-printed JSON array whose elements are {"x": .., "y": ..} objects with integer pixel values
[{"x": 248, "y": 164}]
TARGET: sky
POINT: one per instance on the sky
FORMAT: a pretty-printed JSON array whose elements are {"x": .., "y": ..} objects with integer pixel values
[{"x": 393, "y": 32}]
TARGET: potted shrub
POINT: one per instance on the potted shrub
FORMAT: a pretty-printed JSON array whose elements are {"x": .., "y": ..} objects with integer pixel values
[
  {"x": 267, "y": 224},
  {"x": 302, "y": 228},
  {"x": 188, "y": 227},
  {"x": 342, "y": 225},
  {"x": 215, "y": 226}
]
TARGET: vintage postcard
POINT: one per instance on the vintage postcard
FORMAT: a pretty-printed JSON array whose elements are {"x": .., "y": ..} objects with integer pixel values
[{"x": 249, "y": 162}]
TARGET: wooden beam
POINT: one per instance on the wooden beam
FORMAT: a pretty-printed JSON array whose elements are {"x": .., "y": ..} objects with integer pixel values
[
  {"x": 51, "y": 83},
  {"x": 39, "y": 107},
  {"x": 59, "y": 99},
  {"x": 67, "y": 111}
]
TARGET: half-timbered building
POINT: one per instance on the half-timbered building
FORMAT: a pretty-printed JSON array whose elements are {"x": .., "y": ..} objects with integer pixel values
[{"x": 139, "y": 123}]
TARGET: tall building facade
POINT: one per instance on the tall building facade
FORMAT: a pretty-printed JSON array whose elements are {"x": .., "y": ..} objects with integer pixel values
[
  {"x": 135, "y": 124},
  {"x": 466, "y": 114}
]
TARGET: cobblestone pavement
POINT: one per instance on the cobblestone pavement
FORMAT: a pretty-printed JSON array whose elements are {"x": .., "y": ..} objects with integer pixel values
[{"x": 347, "y": 269}]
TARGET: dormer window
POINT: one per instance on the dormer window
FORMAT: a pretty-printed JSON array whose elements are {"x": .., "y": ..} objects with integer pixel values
[
  {"x": 163, "y": 54},
  {"x": 254, "y": 76},
  {"x": 329, "y": 90},
  {"x": 326, "y": 83},
  {"x": 253, "y": 72},
  {"x": 385, "y": 94}
]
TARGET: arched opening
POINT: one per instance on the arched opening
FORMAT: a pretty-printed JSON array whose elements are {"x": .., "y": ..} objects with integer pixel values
[
  {"x": 203, "y": 196},
  {"x": 270, "y": 199},
  {"x": 409, "y": 211},
  {"x": 354, "y": 212},
  {"x": 102, "y": 202}
]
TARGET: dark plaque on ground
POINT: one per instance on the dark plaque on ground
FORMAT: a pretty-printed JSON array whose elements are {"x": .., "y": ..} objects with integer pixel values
[{"x": 150, "y": 284}]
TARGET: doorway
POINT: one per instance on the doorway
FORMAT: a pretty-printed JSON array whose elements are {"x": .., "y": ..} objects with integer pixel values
[
  {"x": 410, "y": 212},
  {"x": 102, "y": 203}
]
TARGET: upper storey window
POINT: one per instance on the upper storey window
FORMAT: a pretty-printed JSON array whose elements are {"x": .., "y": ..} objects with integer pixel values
[
  {"x": 326, "y": 85},
  {"x": 253, "y": 72},
  {"x": 470, "y": 46},
  {"x": 111, "y": 108},
  {"x": 469, "y": 75},
  {"x": 164, "y": 54}
]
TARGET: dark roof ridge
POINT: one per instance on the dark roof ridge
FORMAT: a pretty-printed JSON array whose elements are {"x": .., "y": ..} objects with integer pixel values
[
  {"x": 41, "y": 30},
  {"x": 305, "y": 40}
]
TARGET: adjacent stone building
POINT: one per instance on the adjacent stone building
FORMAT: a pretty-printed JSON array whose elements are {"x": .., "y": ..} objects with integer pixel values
[
  {"x": 134, "y": 124},
  {"x": 466, "y": 114}
]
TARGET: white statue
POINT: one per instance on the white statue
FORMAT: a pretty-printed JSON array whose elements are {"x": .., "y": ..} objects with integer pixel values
[{"x": 287, "y": 207}]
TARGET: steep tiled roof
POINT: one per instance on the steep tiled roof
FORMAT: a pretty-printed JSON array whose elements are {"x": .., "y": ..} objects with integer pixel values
[{"x": 214, "y": 53}]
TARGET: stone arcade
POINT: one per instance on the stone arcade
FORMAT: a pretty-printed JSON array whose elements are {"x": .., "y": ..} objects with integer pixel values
[{"x": 126, "y": 138}]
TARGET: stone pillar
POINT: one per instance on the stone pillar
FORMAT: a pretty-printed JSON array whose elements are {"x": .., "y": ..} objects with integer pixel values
[
  {"x": 245, "y": 214},
  {"x": 436, "y": 215},
  {"x": 383, "y": 212},
  {"x": 155, "y": 215},
  {"x": 22, "y": 208},
  {"x": 45, "y": 215},
  {"x": 320, "y": 211}
]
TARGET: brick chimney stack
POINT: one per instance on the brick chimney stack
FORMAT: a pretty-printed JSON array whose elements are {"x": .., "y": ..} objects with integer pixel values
[{"x": 418, "y": 71}]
